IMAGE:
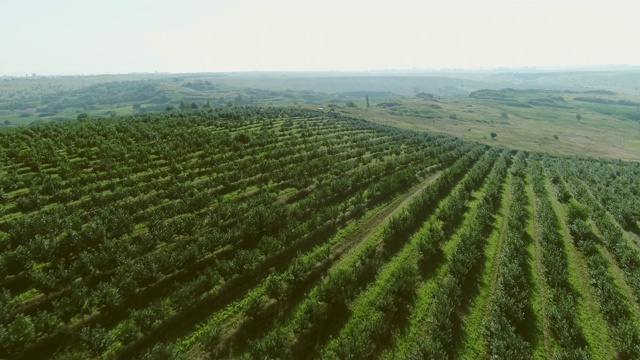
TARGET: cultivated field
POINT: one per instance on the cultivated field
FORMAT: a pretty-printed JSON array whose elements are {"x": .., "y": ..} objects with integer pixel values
[
  {"x": 259, "y": 232},
  {"x": 578, "y": 117}
]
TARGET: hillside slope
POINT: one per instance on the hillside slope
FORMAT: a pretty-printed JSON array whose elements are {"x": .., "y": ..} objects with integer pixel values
[{"x": 594, "y": 123}]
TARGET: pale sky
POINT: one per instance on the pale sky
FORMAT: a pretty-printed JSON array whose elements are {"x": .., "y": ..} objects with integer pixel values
[{"x": 54, "y": 37}]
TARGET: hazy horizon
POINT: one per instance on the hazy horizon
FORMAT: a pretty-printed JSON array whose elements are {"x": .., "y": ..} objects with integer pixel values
[{"x": 118, "y": 37}]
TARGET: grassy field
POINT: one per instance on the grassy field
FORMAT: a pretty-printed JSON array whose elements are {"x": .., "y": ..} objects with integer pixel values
[{"x": 541, "y": 121}]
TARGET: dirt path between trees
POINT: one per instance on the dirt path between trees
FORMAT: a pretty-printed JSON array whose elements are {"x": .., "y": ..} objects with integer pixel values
[{"x": 370, "y": 225}]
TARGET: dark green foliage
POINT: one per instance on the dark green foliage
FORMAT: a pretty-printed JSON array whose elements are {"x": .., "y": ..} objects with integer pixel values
[
  {"x": 335, "y": 291},
  {"x": 429, "y": 245},
  {"x": 576, "y": 211},
  {"x": 161, "y": 351},
  {"x": 403, "y": 282},
  {"x": 125, "y": 236},
  {"x": 96, "y": 340},
  {"x": 133, "y": 214}
]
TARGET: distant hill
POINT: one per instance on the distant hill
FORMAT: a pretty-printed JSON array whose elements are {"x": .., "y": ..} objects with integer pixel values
[
  {"x": 531, "y": 110},
  {"x": 399, "y": 85}
]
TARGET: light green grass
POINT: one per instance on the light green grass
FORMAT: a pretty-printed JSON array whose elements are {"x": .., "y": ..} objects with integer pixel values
[{"x": 532, "y": 129}]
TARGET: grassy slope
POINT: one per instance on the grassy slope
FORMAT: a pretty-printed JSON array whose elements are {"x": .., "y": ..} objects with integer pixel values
[{"x": 529, "y": 128}]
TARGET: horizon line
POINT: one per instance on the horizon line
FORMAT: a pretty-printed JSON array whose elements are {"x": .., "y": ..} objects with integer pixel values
[{"x": 529, "y": 68}]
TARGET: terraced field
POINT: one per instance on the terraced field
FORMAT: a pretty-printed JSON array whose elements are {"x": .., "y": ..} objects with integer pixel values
[{"x": 252, "y": 232}]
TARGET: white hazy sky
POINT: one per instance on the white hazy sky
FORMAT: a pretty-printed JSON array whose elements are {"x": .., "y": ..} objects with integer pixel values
[{"x": 122, "y": 36}]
